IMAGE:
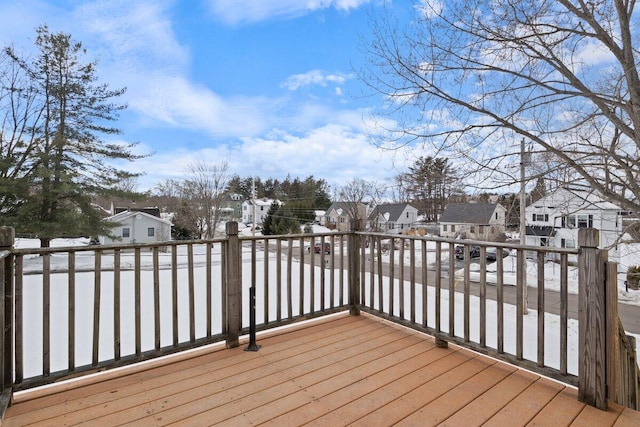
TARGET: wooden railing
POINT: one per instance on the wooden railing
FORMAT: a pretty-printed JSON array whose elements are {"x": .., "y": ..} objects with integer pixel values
[
  {"x": 394, "y": 290},
  {"x": 150, "y": 300},
  {"x": 623, "y": 376},
  {"x": 7, "y": 236}
]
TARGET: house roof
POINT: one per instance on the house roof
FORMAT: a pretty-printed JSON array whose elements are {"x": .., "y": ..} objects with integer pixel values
[
  {"x": 468, "y": 213},
  {"x": 262, "y": 202},
  {"x": 542, "y": 231},
  {"x": 572, "y": 197},
  {"x": 155, "y": 211},
  {"x": 122, "y": 216},
  {"x": 394, "y": 211},
  {"x": 345, "y": 207}
]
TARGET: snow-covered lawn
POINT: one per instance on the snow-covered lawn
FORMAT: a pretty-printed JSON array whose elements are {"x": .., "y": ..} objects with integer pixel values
[{"x": 85, "y": 296}]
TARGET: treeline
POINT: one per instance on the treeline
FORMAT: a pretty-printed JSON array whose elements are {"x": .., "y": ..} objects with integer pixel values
[{"x": 300, "y": 198}]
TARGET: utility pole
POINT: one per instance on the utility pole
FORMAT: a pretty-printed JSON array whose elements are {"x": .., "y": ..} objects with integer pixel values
[
  {"x": 253, "y": 204},
  {"x": 524, "y": 159}
]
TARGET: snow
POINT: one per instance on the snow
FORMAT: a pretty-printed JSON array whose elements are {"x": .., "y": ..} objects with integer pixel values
[{"x": 33, "y": 298}]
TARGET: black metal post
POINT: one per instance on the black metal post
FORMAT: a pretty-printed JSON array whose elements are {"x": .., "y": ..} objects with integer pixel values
[{"x": 252, "y": 321}]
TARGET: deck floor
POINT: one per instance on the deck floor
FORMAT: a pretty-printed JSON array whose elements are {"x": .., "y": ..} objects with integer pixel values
[{"x": 343, "y": 370}]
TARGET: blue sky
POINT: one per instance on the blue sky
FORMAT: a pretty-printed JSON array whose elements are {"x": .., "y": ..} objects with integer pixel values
[{"x": 269, "y": 86}]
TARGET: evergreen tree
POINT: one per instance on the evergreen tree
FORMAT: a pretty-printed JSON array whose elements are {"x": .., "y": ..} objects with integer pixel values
[
  {"x": 71, "y": 163},
  {"x": 429, "y": 183},
  {"x": 268, "y": 228},
  {"x": 279, "y": 220}
]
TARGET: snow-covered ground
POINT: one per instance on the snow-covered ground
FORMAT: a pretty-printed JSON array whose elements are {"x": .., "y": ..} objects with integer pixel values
[{"x": 85, "y": 297}]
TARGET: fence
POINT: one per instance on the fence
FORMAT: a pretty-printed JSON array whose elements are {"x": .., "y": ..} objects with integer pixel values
[{"x": 87, "y": 309}]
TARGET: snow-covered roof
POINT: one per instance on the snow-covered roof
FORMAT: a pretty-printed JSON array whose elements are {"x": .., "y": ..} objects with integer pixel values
[
  {"x": 469, "y": 213},
  {"x": 571, "y": 198},
  {"x": 122, "y": 216},
  {"x": 390, "y": 212},
  {"x": 262, "y": 202}
]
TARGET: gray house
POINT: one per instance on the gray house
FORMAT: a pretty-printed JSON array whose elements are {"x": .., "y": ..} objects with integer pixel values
[
  {"x": 137, "y": 226},
  {"x": 478, "y": 221},
  {"x": 340, "y": 214},
  {"x": 392, "y": 218}
]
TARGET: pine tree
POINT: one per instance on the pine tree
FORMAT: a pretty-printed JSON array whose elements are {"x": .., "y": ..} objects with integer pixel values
[
  {"x": 268, "y": 226},
  {"x": 429, "y": 183},
  {"x": 72, "y": 164}
]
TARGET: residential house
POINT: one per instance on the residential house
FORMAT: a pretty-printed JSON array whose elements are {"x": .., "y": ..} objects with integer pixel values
[
  {"x": 137, "y": 226},
  {"x": 232, "y": 206},
  {"x": 555, "y": 219},
  {"x": 477, "y": 221},
  {"x": 319, "y": 217},
  {"x": 261, "y": 208},
  {"x": 392, "y": 218},
  {"x": 340, "y": 214}
]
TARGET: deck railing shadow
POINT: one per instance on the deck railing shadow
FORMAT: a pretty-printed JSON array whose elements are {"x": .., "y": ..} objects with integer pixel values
[{"x": 72, "y": 311}]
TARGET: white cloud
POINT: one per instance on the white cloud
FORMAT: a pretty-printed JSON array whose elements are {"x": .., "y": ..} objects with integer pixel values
[
  {"x": 314, "y": 77},
  {"x": 240, "y": 11},
  {"x": 177, "y": 102},
  {"x": 430, "y": 8},
  {"x": 337, "y": 153}
]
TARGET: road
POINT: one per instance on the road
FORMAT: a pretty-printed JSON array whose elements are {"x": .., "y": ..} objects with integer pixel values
[{"x": 629, "y": 314}]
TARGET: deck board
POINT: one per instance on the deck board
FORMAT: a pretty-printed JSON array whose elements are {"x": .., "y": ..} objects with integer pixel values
[{"x": 341, "y": 370}]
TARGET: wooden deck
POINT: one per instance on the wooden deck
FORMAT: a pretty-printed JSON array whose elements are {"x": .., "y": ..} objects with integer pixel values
[{"x": 342, "y": 370}]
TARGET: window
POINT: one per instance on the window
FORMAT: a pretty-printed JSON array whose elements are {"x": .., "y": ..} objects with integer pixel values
[
  {"x": 543, "y": 241},
  {"x": 472, "y": 229},
  {"x": 481, "y": 229},
  {"x": 151, "y": 232},
  {"x": 570, "y": 221},
  {"x": 567, "y": 243},
  {"x": 444, "y": 227},
  {"x": 585, "y": 221},
  {"x": 407, "y": 214},
  {"x": 541, "y": 217},
  {"x": 126, "y": 232},
  {"x": 453, "y": 227},
  {"x": 496, "y": 215}
]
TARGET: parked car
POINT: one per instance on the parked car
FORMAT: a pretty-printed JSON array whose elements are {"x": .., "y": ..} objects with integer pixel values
[
  {"x": 474, "y": 251},
  {"x": 492, "y": 253},
  {"x": 327, "y": 248}
]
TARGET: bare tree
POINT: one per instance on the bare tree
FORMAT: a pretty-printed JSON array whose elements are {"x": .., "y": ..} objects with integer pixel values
[
  {"x": 357, "y": 194},
  {"x": 476, "y": 77},
  {"x": 19, "y": 109},
  {"x": 399, "y": 190},
  {"x": 205, "y": 188}
]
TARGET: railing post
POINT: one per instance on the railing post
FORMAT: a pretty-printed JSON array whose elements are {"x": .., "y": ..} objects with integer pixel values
[
  {"x": 234, "y": 286},
  {"x": 631, "y": 401},
  {"x": 592, "y": 320},
  {"x": 7, "y": 239},
  {"x": 354, "y": 268},
  {"x": 613, "y": 334}
]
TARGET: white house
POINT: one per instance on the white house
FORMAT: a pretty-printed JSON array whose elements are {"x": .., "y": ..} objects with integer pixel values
[
  {"x": 320, "y": 216},
  {"x": 554, "y": 220},
  {"x": 262, "y": 207},
  {"x": 478, "y": 221},
  {"x": 392, "y": 218},
  {"x": 137, "y": 227}
]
